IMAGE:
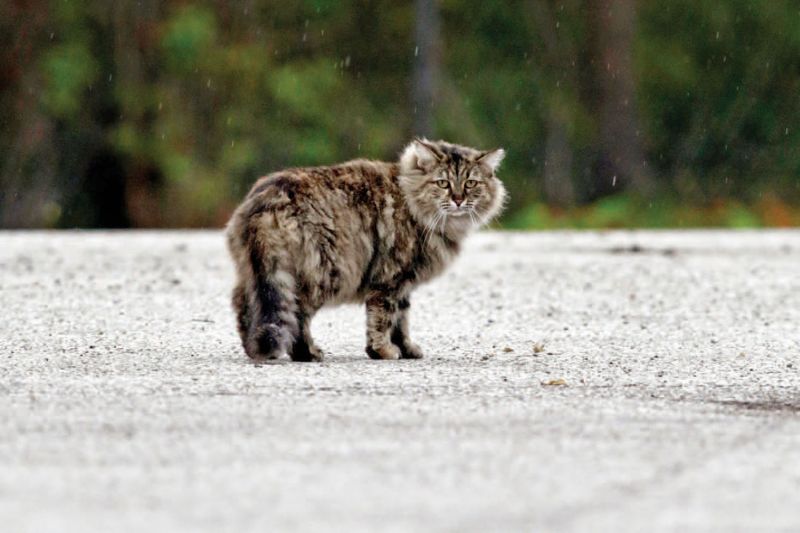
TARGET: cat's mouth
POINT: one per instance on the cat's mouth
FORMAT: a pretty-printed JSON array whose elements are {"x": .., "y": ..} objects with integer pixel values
[{"x": 457, "y": 210}]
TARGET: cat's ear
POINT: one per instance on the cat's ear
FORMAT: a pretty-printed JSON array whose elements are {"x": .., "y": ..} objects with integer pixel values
[
  {"x": 418, "y": 156},
  {"x": 493, "y": 158}
]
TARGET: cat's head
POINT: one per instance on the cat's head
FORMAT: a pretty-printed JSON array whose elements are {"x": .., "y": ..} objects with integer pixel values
[{"x": 449, "y": 184}]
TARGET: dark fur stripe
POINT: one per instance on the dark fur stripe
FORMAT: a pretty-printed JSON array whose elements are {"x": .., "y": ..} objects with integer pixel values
[{"x": 269, "y": 299}]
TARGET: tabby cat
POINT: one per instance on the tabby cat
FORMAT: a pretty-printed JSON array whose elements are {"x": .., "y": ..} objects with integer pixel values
[{"x": 362, "y": 231}]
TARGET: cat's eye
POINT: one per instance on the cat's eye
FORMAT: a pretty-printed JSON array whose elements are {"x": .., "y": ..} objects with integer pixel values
[
  {"x": 470, "y": 184},
  {"x": 443, "y": 184}
]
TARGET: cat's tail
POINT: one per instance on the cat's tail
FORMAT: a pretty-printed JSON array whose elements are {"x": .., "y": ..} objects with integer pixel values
[{"x": 264, "y": 297}]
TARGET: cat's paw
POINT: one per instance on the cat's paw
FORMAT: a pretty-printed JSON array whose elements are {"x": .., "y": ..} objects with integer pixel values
[
  {"x": 411, "y": 351},
  {"x": 306, "y": 354},
  {"x": 317, "y": 355},
  {"x": 387, "y": 351}
]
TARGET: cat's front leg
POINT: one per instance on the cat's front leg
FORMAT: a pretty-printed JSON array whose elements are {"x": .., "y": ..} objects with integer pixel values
[
  {"x": 381, "y": 310},
  {"x": 399, "y": 337}
]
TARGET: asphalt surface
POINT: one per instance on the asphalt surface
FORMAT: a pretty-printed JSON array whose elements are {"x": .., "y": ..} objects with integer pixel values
[{"x": 573, "y": 382}]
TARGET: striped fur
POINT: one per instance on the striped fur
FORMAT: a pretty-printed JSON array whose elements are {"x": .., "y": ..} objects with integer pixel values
[{"x": 362, "y": 231}]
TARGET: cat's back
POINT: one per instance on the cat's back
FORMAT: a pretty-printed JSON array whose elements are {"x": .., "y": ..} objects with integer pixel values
[
  {"x": 357, "y": 181},
  {"x": 323, "y": 225},
  {"x": 343, "y": 198}
]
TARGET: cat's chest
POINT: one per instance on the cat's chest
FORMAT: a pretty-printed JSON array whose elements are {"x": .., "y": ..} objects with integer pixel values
[{"x": 430, "y": 259}]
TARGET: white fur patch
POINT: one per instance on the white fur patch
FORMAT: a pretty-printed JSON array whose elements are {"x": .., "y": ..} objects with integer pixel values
[
  {"x": 417, "y": 158},
  {"x": 494, "y": 158}
]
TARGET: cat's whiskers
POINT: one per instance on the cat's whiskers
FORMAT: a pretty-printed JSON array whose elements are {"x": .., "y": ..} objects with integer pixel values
[
  {"x": 426, "y": 230},
  {"x": 430, "y": 227},
  {"x": 471, "y": 213}
]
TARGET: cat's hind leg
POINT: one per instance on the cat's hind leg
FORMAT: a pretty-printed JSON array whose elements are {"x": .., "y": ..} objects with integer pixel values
[
  {"x": 274, "y": 326},
  {"x": 273, "y": 310},
  {"x": 265, "y": 298},
  {"x": 303, "y": 348}
]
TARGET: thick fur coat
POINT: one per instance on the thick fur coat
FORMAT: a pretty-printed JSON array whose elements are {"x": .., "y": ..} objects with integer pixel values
[{"x": 362, "y": 231}]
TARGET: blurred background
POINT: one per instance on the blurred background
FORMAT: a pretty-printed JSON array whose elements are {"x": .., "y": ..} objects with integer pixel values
[{"x": 614, "y": 113}]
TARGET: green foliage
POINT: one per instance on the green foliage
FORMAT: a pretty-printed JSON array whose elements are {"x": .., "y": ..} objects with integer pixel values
[
  {"x": 719, "y": 98},
  {"x": 666, "y": 211},
  {"x": 199, "y": 98},
  {"x": 69, "y": 69},
  {"x": 188, "y": 36}
]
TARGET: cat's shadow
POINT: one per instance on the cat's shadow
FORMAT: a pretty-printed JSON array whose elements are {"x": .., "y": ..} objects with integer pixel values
[{"x": 329, "y": 360}]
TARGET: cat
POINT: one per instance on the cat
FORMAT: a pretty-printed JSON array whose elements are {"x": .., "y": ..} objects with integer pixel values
[{"x": 358, "y": 232}]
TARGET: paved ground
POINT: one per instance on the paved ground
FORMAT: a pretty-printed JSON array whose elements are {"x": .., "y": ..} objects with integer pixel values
[{"x": 126, "y": 402}]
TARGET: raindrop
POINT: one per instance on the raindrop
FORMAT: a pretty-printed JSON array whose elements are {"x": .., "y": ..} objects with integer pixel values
[
  {"x": 614, "y": 181},
  {"x": 416, "y": 51}
]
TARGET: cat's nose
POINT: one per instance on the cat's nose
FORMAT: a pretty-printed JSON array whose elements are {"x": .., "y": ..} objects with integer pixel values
[{"x": 458, "y": 200}]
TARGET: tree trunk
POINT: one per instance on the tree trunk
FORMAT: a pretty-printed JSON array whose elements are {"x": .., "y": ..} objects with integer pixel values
[
  {"x": 557, "y": 70},
  {"x": 426, "y": 66},
  {"x": 134, "y": 61},
  {"x": 28, "y": 155},
  {"x": 558, "y": 188},
  {"x": 621, "y": 159}
]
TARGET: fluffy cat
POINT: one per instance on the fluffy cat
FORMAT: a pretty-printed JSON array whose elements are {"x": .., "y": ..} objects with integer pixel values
[{"x": 362, "y": 231}]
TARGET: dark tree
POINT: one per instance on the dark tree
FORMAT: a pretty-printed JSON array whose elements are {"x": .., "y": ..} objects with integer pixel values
[
  {"x": 427, "y": 60},
  {"x": 620, "y": 159},
  {"x": 560, "y": 80}
]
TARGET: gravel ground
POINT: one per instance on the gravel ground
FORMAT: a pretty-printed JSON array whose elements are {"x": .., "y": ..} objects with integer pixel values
[{"x": 623, "y": 381}]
